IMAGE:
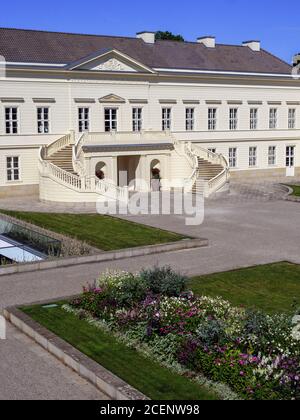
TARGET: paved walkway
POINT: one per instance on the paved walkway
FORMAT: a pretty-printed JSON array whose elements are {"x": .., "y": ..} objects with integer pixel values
[{"x": 243, "y": 230}]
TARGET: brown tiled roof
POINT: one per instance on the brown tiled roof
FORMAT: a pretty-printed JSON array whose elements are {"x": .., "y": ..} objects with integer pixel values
[{"x": 31, "y": 46}]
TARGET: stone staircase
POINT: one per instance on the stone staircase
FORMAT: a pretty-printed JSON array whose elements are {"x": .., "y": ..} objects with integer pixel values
[
  {"x": 63, "y": 159},
  {"x": 206, "y": 172}
]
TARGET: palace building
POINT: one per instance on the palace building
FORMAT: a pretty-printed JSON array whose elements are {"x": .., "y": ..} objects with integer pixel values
[{"x": 84, "y": 115}]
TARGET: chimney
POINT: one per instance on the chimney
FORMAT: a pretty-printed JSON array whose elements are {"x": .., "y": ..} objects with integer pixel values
[
  {"x": 146, "y": 36},
  {"x": 208, "y": 41},
  {"x": 296, "y": 60},
  {"x": 253, "y": 45}
]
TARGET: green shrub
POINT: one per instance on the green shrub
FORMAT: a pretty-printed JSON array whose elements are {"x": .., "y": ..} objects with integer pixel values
[{"x": 164, "y": 280}]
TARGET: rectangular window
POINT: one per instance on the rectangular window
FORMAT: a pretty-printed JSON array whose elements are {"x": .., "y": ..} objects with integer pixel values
[
  {"x": 212, "y": 118},
  {"x": 111, "y": 119},
  {"x": 12, "y": 168},
  {"x": 11, "y": 120},
  {"x": 83, "y": 119},
  {"x": 43, "y": 120},
  {"x": 290, "y": 156},
  {"x": 233, "y": 118},
  {"x": 292, "y": 118},
  {"x": 273, "y": 118},
  {"x": 252, "y": 156},
  {"x": 137, "y": 122},
  {"x": 253, "y": 118},
  {"x": 166, "y": 118},
  {"x": 189, "y": 119},
  {"x": 233, "y": 157},
  {"x": 272, "y": 155}
]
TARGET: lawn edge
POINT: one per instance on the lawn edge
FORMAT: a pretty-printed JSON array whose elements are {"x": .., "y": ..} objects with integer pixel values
[
  {"x": 104, "y": 380},
  {"x": 105, "y": 256}
]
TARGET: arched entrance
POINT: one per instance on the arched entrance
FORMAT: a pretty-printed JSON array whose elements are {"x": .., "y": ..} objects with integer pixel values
[
  {"x": 100, "y": 170},
  {"x": 155, "y": 174}
]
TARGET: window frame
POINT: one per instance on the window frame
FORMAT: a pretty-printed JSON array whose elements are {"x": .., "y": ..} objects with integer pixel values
[
  {"x": 273, "y": 119},
  {"x": 190, "y": 119},
  {"x": 43, "y": 120},
  {"x": 111, "y": 120},
  {"x": 292, "y": 119},
  {"x": 253, "y": 118},
  {"x": 272, "y": 157},
  {"x": 84, "y": 119},
  {"x": 13, "y": 168},
  {"x": 233, "y": 121},
  {"x": 212, "y": 120},
  {"x": 10, "y": 121},
  {"x": 137, "y": 121},
  {"x": 253, "y": 158},
  {"x": 166, "y": 120},
  {"x": 232, "y": 158}
]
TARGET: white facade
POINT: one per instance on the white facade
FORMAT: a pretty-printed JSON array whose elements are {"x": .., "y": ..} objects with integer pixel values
[{"x": 116, "y": 82}]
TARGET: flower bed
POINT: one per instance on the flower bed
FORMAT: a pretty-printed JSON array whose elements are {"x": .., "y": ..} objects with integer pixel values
[{"x": 257, "y": 355}]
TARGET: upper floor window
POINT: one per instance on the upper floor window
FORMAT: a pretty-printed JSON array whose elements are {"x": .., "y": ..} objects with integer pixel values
[
  {"x": 189, "y": 119},
  {"x": 292, "y": 118},
  {"x": 273, "y": 118},
  {"x": 252, "y": 156},
  {"x": 166, "y": 118},
  {"x": 83, "y": 119},
  {"x": 13, "y": 168},
  {"x": 233, "y": 157},
  {"x": 11, "y": 120},
  {"x": 233, "y": 118},
  {"x": 212, "y": 118},
  {"x": 111, "y": 119},
  {"x": 272, "y": 155},
  {"x": 137, "y": 122},
  {"x": 253, "y": 118},
  {"x": 43, "y": 120}
]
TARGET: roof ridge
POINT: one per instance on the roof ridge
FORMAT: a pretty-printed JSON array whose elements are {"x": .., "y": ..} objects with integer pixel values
[{"x": 69, "y": 33}]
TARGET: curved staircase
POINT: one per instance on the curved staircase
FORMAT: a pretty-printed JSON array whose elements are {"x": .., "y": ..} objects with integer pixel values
[
  {"x": 210, "y": 170},
  {"x": 63, "y": 159},
  {"x": 60, "y": 182}
]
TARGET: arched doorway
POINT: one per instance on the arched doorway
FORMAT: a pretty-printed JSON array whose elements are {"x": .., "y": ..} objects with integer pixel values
[
  {"x": 155, "y": 175},
  {"x": 100, "y": 170}
]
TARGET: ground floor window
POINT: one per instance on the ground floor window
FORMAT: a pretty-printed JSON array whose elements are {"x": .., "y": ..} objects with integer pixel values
[
  {"x": 13, "y": 168},
  {"x": 83, "y": 119},
  {"x": 290, "y": 156},
  {"x": 252, "y": 156},
  {"x": 272, "y": 155},
  {"x": 111, "y": 119},
  {"x": 233, "y": 157}
]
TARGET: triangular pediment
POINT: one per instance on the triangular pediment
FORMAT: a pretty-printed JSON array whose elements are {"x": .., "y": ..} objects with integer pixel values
[
  {"x": 109, "y": 61},
  {"x": 112, "y": 98}
]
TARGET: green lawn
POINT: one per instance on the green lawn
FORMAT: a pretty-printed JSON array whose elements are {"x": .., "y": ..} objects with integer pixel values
[
  {"x": 296, "y": 190},
  {"x": 271, "y": 288},
  {"x": 148, "y": 377},
  {"x": 103, "y": 232}
]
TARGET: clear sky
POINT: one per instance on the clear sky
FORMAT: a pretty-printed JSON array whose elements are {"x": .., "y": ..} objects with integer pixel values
[{"x": 275, "y": 22}]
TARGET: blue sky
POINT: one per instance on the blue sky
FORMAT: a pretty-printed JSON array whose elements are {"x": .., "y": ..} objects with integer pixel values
[{"x": 276, "y": 23}]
